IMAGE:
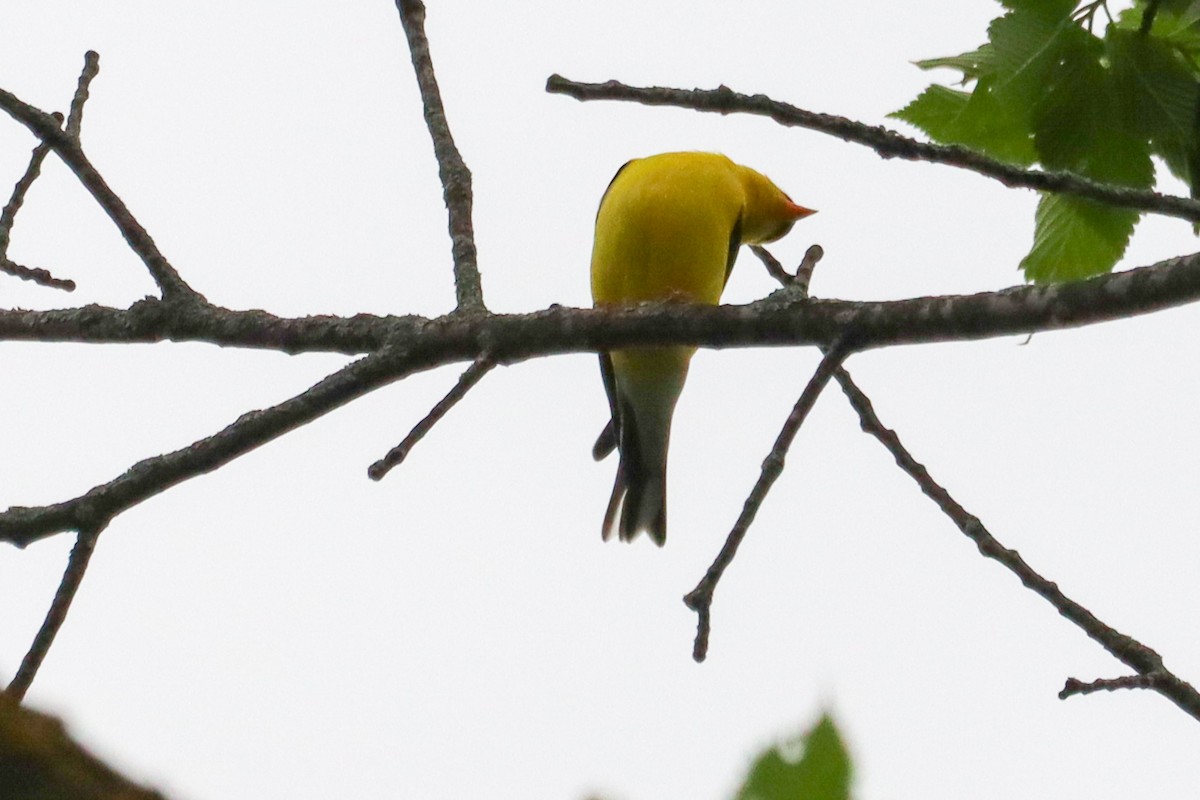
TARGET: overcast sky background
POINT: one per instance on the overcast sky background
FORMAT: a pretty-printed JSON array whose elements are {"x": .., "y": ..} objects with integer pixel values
[{"x": 285, "y": 627}]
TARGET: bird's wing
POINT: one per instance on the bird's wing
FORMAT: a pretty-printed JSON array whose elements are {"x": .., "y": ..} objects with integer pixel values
[
  {"x": 610, "y": 185},
  {"x": 735, "y": 244}
]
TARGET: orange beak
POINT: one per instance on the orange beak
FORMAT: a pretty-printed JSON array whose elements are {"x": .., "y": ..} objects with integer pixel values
[{"x": 799, "y": 212}]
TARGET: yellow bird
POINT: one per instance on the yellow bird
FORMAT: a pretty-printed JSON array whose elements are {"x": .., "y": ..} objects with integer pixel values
[{"x": 669, "y": 228}]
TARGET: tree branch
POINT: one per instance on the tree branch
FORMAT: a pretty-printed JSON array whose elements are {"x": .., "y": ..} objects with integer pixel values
[
  {"x": 700, "y": 598},
  {"x": 47, "y": 128},
  {"x": 91, "y": 68},
  {"x": 1128, "y": 650},
  {"x": 784, "y": 318},
  {"x": 1074, "y": 686},
  {"x": 473, "y": 374},
  {"x": 9, "y": 213},
  {"x": 799, "y": 282},
  {"x": 81, "y": 555},
  {"x": 886, "y": 143},
  {"x": 153, "y": 320},
  {"x": 403, "y": 345},
  {"x": 38, "y": 275},
  {"x": 93, "y": 510},
  {"x": 32, "y": 171},
  {"x": 1152, "y": 674},
  {"x": 455, "y": 177}
]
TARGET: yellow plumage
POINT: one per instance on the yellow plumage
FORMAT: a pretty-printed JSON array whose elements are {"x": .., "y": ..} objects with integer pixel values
[{"x": 669, "y": 228}]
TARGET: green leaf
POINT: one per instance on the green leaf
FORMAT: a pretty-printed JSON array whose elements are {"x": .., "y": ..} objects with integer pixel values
[
  {"x": 1077, "y": 125},
  {"x": 1169, "y": 15},
  {"x": 1049, "y": 9},
  {"x": 1183, "y": 160},
  {"x": 1048, "y": 90},
  {"x": 972, "y": 119},
  {"x": 1157, "y": 88},
  {"x": 1168, "y": 61},
  {"x": 1076, "y": 238},
  {"x": 935, "y": 111},
  {"x": 1074, "y": 109},
  {"x": 1026, "y": 46},
  {"x": 1176, "y": 6},
  {"x": 1174, "y": 23},
  {"x": 1158, "y": 92},
  {"x": 971, "y": 65},
  {"x": 821, "y": 773}
]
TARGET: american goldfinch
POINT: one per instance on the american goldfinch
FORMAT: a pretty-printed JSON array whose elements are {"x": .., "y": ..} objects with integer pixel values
[{"x": 669, "y": 228}]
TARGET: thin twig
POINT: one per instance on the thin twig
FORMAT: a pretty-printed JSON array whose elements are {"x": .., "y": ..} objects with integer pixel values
[
  {"x": 1129, "y": 651},
  {"x": 700, "y": 599},
  {"x": 886, "y": 143},
  {"x": 804, "y": 274},
  {"x": 803, "y": 277},
  {"x": 774, "y": 268},
  {"x": 46, "y": 127},
  {"x": 91, "y": 68},
  {"x": 455, "y": 177},
  {"x": 397, "y": 454},
  {"x": 36, "y": 274},
  {"x": 1151, "y": 672},
  {"x": 9, "y": 213},
  {"x": 1073, "y": 686},
  {"x": 81, "y": 554}
]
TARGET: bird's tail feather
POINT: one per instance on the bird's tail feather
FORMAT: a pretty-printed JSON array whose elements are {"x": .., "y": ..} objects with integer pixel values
[
  {"x": 638, "y": 502},
  {"x": 645, "y": 506},
  {"x": 646, "y": 387},
  {"x": 614, "y": 506}
]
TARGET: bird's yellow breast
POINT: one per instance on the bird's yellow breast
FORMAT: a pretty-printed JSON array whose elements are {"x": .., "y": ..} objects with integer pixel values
[{"x": 664, "y": 228}]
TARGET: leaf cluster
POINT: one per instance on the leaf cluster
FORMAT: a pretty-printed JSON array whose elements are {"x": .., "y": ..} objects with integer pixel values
[
  {"x": 1049, "y": 89},
  {"x": 813, "y": 766}
]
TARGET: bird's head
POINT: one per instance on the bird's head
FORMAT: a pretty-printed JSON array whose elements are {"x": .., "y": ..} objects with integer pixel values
[{"x": 769, "y": 213}]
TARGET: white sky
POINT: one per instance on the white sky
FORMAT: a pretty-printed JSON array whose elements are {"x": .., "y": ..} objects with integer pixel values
[{"x": 287, "y": 628}]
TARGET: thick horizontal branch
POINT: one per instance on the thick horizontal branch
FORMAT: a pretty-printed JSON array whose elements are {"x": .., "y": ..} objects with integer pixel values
[
  {"x": 783, "y": 318},
  {"x": 886, "y": 143},
  {"x": 405, "y": 345},
  {"x": 152, "y": 320}
]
